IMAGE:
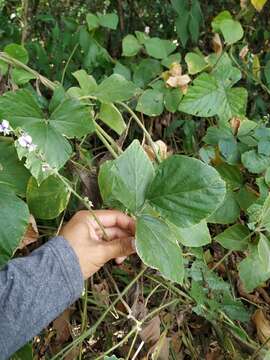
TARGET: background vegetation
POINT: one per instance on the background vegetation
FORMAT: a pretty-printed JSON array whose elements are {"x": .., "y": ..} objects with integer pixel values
[{"x": 160, "y": 109}]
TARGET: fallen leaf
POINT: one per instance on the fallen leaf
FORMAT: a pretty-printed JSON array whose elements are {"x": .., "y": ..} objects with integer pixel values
[
  {"x": 262, "y": 325},
  {"x": 175, "y": 79},
  {"x": 217, "y": 44},
  {"x": 161, "y": 350},
  {"x": 61, "y": 326},
  {"x": 101, "y": 293},
  {"x": 162, "y": 150},
  {"x": 235, "y": 123},
  {"x": 243, "y": 53},
  {"x": 151, "y": 331},
  {"x": 31, "y": 234}
]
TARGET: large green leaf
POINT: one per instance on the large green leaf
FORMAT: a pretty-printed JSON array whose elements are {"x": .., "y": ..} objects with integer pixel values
[
  {"x": 151, "y": 102},
  {"x": 12, "y": 171},
  {"x": 146, "y": 70},
  {"x": 195, "y": 62},
  {"x": 159, "y": 48},
  {"x": 14, "y": 217},
  {"x": 126, "y": 178},
  {"x": 131, "y": 45},
  {"x": 227, "y": 212},
  {"x": 111, "y": 116},
  {"x": 235, "y": 237},
  {"x": 49, "y": 199},
  {"x": 231, "y": 30},
  {"x": 265, "y": 215},
  {"x": 18, "y": 52},
  {"x": 264, "y": 251},
  {"x": 252, "y": 270},
  {"x": 109, "y": 20},
  {"x": 70, "y": 118},
  {"x": 254, "y": 162},
  {"x": 185, "y": 190},
  {"x": 207, "y": 97},
  {"x": 195, "y": 236},
  {"x": 115, "y": 88},
  {"x": 157, "y": 246}
]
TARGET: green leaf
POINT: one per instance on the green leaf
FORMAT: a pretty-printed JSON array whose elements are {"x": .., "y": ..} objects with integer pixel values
[
  {"x": 147, "y": 70},
  {"x": 18, "y": 52},
  {"x": 231, "y": 174},
  {"x": 196, "y": 63},
  {"x": 12, "y": 171},
  {"x": 115, "y": 88},
  {"x": 87, "y": 82},
  {"x": 25, "y": 353},
  {"x": 224, "y": 15},
  {"x": 173, "y": 58},
  {"x": 236, "y": 238},
  {"x": 252, "y": 271},
  {"x": 14, "y": 216},
  {"x": 122, "y": 70},
  {"x": 264, "y": 251},
  {"x": 157, "y": 247},
  {"x": 92, "y": 21},
  {"x": 150, "y": 103},
  {"x": 130, "y": 175},
  {"x": 111, "y": 116},
  {"x": 181, "y": 24},
  {"x": 159, "y": 48},
  {"x": 265, "y": 215},
  {"x": 3, "y": 68},
  {"x": 185, "y": 190},
  {"x": 254, "y": 162},
  {"x": 245, "y": 198},
  {"x": 227, "y": 212},
  {"x": 70, "y": 118},
  {"x": 195, "y": 236},
  {"x": 172, "y": 99},
  {"x": 131, "y": 46},
  {"x": 109, "y": 20},
  {"x": 21, "y": 76},
  {"x": 231, "y": 30},
  {"x": 207, "y": 98},
  {"x": 49, "y": 199}
]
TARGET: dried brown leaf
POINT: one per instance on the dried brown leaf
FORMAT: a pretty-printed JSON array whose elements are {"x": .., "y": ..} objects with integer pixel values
[
  {"x": 243, "y": 53},
  {"x": 262, "y": 325},
  {"x": 101, "y": 293},
  {"x": 217, "y": 44},
  {"x": 235, "y": 123},
  {"x": 61, "y": 326},
  {"x": 31, "y": 234},
  {"x": 161, "y": 350},
  {"x": 151, "y": 331}
]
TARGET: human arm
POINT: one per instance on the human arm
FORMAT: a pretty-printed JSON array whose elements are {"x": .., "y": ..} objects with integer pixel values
[{"x": 35, "y": 289}]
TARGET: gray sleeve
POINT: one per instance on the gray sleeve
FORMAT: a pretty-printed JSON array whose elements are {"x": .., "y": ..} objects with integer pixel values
[{"x": 34, "y": 290}]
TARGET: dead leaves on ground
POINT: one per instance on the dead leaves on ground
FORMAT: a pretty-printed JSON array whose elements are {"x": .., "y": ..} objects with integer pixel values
[{"x": 262, "y": 324}]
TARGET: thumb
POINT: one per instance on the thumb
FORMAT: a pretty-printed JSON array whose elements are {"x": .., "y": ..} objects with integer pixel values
[{"x": 120, "y": 247}]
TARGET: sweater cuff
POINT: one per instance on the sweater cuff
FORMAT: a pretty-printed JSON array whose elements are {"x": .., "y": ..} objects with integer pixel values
[{"x": 69, "y": 264}]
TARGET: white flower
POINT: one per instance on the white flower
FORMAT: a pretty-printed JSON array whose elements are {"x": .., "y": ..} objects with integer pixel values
[
  {"x": 26, "y": 141},
  {"x": 147, "y": 29},
  {"x": 5, "y": 128}
]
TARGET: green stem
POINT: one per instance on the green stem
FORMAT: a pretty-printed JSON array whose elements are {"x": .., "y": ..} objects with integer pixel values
[
  {"x": 68, "y": 62},
  {"x": 109, "y": 138},
  {"x": 140, "y": 124},
  {"x": 106, "y": 143},
  {"x": 11, "y": 61}
]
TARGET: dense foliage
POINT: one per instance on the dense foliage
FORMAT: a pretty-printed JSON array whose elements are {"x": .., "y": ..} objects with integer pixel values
[{"x": 179, "y": 99}]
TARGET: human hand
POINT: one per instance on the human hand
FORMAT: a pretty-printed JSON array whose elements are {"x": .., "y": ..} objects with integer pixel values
[{"x": 86, "y": 238}]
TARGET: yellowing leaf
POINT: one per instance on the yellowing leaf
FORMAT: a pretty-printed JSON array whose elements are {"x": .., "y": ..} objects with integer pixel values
[{"x": 258, "y": 4}]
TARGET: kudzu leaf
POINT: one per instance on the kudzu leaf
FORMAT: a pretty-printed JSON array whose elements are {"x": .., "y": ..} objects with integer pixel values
[
  {"x": 173, "y": 58},
  {"x": 14, "y": 216},
  {"x": 127, "y": 178},
  {"x": 109, "y": 20},
  {"x": 12, "y": 171},
  {"x": 122, "y": 70},
  {"x": 195, "y": 62},
  {"x": 231, "y": 30},
  {"x": 254, "y": 162},
  {"x": 131, "y": 46},
  {"x": 111, "y": 116},
  {"x": 147, "y": 70},
  {"x": 115, "y": 88},
  {"x": 151, "y": 102},
  {"x": 157, "y": 246},
  {"x": 227, "y": 212},
  {"x": 252, "y": 270},
  {"x": 172, "y": 99},
  {"x": 159, "y": 48},
  {"x": 18, "y": 52},
  {"x": 236, "y": 237},
  {"x": 92, "y": 21},
  {"x": 223, "y": 15},
  {"x": 87, "y": 82},
  {"x": 264, "y": 251},
  {"x": 185, "y": 190},
  {"x": 265, "y": 215},
  {"x": 49, "y": 199},
  {"x": 207, "y": 97},
  {"x": 21, "y": 76},
  {"x": 245, "y": 197},
  {"x": 195, "y": 236}
]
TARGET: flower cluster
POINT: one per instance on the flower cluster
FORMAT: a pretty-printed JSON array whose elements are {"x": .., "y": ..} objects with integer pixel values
[
  {"x": 26, "y": 141},
  {"x": 5, "y": 127}
]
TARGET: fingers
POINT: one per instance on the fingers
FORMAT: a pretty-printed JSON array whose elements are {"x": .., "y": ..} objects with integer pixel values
[
  {"x": 119, "y": 248},
  {"x": 114, "y": 218},
  {"x": 113, "y": 233}
]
